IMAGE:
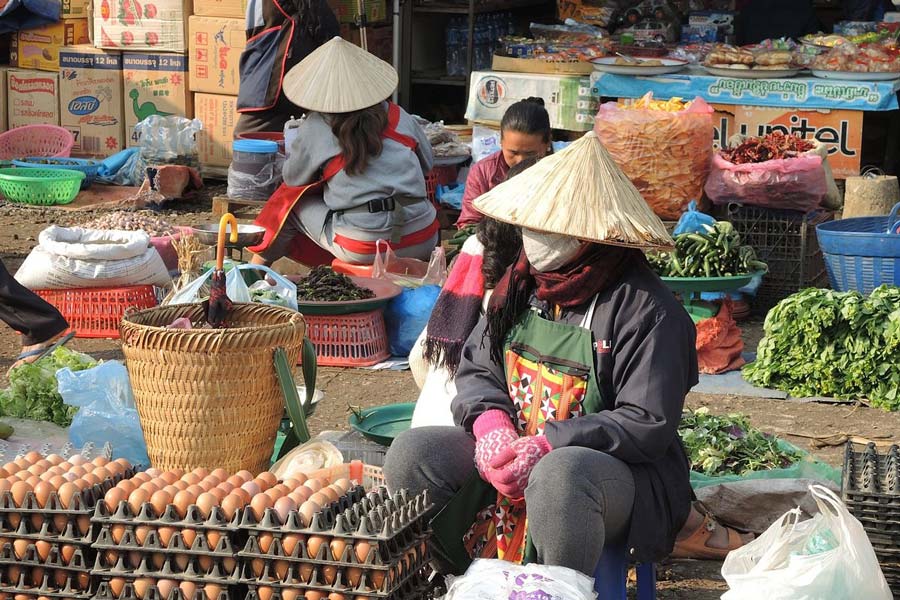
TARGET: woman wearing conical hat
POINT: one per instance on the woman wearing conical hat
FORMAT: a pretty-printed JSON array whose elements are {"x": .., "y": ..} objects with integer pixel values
[
  {"x": 356, "y": 170},
  {"x": 570, "y": 389}
]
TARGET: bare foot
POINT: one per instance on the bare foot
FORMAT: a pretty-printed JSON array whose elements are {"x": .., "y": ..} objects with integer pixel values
[{"x": 718, "y": 537}]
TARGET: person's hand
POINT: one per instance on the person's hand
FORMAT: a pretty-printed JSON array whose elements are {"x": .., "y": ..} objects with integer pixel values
[
  {"x": 494, "y": 432},
  {"x": 514, "y": 464}
]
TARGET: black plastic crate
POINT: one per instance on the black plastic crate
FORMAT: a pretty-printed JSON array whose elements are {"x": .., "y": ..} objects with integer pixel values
[{"x": 786, "y": 241}]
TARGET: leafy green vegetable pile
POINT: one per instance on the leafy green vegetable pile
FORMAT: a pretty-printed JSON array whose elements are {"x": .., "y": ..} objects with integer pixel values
[
  {"x": 729, "y": 445},
  {"x": 33, "y": 394},
  {"x": 833, "y": 344},
  {"x": 715, "y": 253}
]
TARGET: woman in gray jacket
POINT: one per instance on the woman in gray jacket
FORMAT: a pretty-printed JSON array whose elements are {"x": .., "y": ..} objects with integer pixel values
[{"x": 356, "y": 170}]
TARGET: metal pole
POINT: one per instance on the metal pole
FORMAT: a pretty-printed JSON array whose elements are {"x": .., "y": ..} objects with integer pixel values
[{"x": 396, "y": 47}]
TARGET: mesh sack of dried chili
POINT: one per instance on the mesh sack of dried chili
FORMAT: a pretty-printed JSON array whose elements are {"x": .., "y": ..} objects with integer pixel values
[
  {"x": 793, "y": 181},
  {"x": 664, "y": 147}
]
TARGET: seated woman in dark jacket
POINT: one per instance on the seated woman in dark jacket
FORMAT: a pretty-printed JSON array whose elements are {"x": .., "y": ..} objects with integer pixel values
[{"x": 570, "y": 390}]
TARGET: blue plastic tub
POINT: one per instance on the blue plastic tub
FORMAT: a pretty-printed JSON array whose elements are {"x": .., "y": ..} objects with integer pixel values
[
  {"x": 90, "y": 168},
  {"x": 861, "y": 253}
]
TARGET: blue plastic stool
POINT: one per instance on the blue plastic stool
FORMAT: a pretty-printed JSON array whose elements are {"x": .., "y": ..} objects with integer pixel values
[{"x": 611, "y": 574}]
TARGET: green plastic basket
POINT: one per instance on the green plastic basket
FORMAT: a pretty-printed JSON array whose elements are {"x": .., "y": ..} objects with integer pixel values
[{"x": 40, "y": 186}]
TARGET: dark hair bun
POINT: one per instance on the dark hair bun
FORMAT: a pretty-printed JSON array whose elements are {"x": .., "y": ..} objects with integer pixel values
[{"x": 535, "y": 100}]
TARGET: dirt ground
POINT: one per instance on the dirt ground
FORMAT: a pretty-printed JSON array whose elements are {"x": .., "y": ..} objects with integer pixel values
[{"x": 679, "y": 580}]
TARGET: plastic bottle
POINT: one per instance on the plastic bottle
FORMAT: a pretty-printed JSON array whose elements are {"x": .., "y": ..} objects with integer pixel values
[{"x": 452, "y": 48}]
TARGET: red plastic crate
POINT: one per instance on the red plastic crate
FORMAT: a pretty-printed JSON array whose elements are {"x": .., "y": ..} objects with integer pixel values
[
  {"x": 97, "y": 312},
  {"x": 357, "y": 340},
  {"x": 439, "y": 176}
]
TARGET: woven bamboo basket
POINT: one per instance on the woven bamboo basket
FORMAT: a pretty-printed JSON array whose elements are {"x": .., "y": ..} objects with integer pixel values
[{"x": 209, "y": 397}]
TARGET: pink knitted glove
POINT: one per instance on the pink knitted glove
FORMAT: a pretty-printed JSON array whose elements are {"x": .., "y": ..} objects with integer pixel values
[
  {"x": 494, "y": 432},
  {"x": 514, "y": 465}
]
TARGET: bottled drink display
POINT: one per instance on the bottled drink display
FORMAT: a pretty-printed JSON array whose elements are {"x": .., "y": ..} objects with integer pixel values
[{"x": 488, "y": 30}]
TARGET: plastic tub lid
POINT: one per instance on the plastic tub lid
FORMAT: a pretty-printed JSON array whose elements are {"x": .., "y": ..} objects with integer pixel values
[{"x": 255, "y": 146}]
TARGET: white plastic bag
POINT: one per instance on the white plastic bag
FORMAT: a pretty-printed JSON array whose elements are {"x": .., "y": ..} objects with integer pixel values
[
  {"x": 237, "y": 289},
  {"x": 828, "y": 557},
  {"x": 72, "y": 257},
  {"x": 503, "y": 580},
  {"x": 484, "y": 142}
]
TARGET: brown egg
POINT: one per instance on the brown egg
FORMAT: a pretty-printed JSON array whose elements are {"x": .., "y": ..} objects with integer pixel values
[
  {"x": 304, "y": 490},
  {"x": 236, "y": 481},
  {"x": 169, "y": 477},
  {"x": 344, "y": 484},
  {"x": 160, "y": 500},
  {"x": 188, "y": 536},
  {"x": 83, "y": 580},
  {"x": 149, "y": 487},
  {"x": 252, "y": 488},
  {"x": 101, "y": 473},
  {"x": 259, "y": 504},
  {"x": 5, "y": 484},
  {"x": 70, "y": 476},
  {"x": 142, "y": 586},
  {"x": 354, "y": 574},
  {"x": 42, "y": 493},
  {"x": 243, "y": 494},
  {"x": 195, "y": 490},
  {"x": 212, "y": 591},
  {"x": 56, "y": 481},
  {"x": 204, "y": 486},
  {"x": 264, "y": 593},
  {"x": 171, "y": 490},
  {"x": 231, "y": 504},
  {"x": 165, "y": 587},
  {"x": 157, "y": 560},
  {"x": 188, "y": 588},
  {"x": 136, "y": 500},
  {"x": 219, "y": 473},
  {"x": 313, "y": 544},
  {"x": 78, "y": 470},
  {"x": 181, "y": 561},
  {"x": 306, "y": 512},
  {"x": 13, "y": 573},
  {"x": 285, "y": 490},
  {"x": 212, "y": 479},
  {"x": 32, "y": 457},
  {"x": 289, "y": 594},
  {"x": 337, "y": 547},
  {"x": 140, "y": 534},
  {"x": 117, "y": 531},
  {"x": 273, "y": 494},
  {"x": 134, "y": 559},
  {"x": 268, "y": 477},
  {"x": 205, "y": 503},
  {"x": 33, "y": 480},
  {"x": 19, "y": 490},
  {"x": 335, "y": 596},
  {"x": 60, "y": 577},
  {"x": 257, "y": 565},
  {"x": 36, "y": 470},
  {"x": 362, "y": 549},
  {"x": 165, "y": 535},
  {"x": 192, "y": 479},
  {"x": 182, "y": 501},
  {"x": 314, "y": 484},
  {"x": 329, "y": 493},
  {"x": 127, "y": 486},
  {"x": 67, "y": 492},
  {"x": 111, "y": 557},
  {"x": 116, "y": 585},
  {"x": 290, "y": 541},
  {"x": 283, "y": 507},
  {"x": 313, "y": 595},
  {"x": 153, "y": 472},
  {"x": 321, "y": 499},
  {"x": 20, "y": 547},
  {"x": 115, "y": 469},
  {"x": 226, "y": 487},
  {"x": 377, "y": 578},
  {"x": 84, "y": 524},
  {"x": 298, "y": 498},
  {"x": 43, "y": 550},
  {"x": 219, "y": 493},
  {"x": 245, "y": 475},
  {"x": 265, "y": 542},
  {"x": 91, "y": 479},
  {"x": 67, "y": 552},
  {"x": 212, "y": 539}
]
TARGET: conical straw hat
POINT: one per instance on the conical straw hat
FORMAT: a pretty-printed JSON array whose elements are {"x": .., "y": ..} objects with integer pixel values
[
  {"x": 340, "y": 77},
  {"x": 579, "y": 192}
]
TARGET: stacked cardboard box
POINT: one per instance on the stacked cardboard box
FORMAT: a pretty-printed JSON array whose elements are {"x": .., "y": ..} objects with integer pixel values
[
  {"x": 33, "y": 98},
  {"x": 215, "y": 43},
  {"x": 90, "y": 100}
]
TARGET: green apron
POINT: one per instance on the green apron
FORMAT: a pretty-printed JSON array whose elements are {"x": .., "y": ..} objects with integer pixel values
[{"x": 549, "y": 368}]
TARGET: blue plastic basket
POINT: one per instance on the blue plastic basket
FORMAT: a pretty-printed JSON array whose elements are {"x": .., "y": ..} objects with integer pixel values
[
  {"x": 861, "y": 253},
  {"x": 90, "y": 168}
]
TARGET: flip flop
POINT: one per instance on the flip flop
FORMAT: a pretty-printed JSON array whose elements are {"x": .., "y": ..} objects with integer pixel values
[
  {"x": 695, "y": 545},
  {"x": 42, "y": 352}
]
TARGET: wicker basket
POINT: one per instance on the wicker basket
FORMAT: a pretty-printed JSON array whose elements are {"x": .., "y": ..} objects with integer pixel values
[{"x": 209, "y": 397}]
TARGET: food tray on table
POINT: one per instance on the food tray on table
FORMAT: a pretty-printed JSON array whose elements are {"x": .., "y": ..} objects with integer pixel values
[
  {"x": 384, "y": 291},
  {"x": 89, "y": 167},
  {"x": 613, "y": 65},
  {"x": 382, "y": 424},
  {"x": 751, "y": 73},
  {"x": 40, "y": 186}
]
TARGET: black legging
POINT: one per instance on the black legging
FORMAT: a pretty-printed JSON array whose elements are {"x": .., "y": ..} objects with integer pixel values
[{"x": 28, "y": 313}]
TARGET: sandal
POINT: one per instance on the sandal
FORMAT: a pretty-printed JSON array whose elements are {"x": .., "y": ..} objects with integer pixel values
[
  {"x": 695, "y": 545},
  {"x": 39, "y": 353}
]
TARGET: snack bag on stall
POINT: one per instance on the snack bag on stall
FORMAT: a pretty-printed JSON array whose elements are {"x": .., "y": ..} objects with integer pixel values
[{"x": 664, "y": 147}]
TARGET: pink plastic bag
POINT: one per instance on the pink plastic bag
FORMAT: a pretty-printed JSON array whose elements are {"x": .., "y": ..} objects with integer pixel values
[
  {"x": 790, "y": 183},
  {"x": 666, "y": 155}
]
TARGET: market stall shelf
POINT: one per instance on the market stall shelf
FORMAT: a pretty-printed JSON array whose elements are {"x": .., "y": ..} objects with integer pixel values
[
  {"x": 645, "y": 67},
  {"x": 751, "y": 73}
]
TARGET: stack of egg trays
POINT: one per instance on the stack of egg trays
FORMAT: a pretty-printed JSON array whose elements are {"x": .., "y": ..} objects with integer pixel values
[
  {"x": 200, "y": 563},
  {"x": 871, "y": 491},
  {"x": 394, "y": 526},
  {"x": 128, "y": 593},
  {"x": 57, "y": 526}
]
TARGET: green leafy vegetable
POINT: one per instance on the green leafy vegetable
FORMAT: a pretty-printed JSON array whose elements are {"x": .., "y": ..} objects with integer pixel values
[
  {"x": 715, "y": 253},
  {"x": 729, "y": 445},
  {"x": 33, "y": 394},
  {"x": 834, "y": 344}
]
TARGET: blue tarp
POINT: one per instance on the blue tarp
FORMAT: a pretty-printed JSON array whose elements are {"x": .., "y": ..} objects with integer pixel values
[{"x": 28, "y": 14}]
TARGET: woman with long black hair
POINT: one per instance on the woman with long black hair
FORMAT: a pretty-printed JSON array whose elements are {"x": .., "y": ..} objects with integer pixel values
[
  {"x": 280, "y": 34},
  {"x": 356, "y": 171}
]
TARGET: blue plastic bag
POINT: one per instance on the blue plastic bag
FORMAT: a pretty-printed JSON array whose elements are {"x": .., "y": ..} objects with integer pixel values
[
  {"x": 693, "y": 220},
  {"x": 106, "y": 410},
  {"x": 407, "y": 315},
  {"x": 451, "y": 195}
]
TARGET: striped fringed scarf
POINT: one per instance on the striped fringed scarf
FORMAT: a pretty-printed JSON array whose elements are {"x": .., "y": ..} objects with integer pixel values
[{"x": 457, "y": 309}]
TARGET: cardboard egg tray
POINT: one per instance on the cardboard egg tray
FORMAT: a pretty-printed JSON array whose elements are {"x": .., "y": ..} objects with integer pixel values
[
  {"x": 104, "y": 592},
  {"x": 74, "y": 586},
  {"x": 394, "y": 528}
]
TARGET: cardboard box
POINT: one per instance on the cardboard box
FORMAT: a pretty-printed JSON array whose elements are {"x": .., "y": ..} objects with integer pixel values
[
  {"x": 4, "y": 123},
  {"x": 154, "y": 84},
  {"x": 230, "y": 9},
  {"x": 39, "y": 48},
  {"x": 75, "y": 9},
  {"x": 215, "y": 54},
  {"x": 152, "y": 26},
  {"x": 380, "y": 40},
  {"x": 532, "y": 65},
  {"x": 219, "y": 116},
  {"x": 347, "y": 11},
  {"x": 33, "y": 98},
  {"x": 90, "y": 100},
  {"x": 567, "y": 98}
]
